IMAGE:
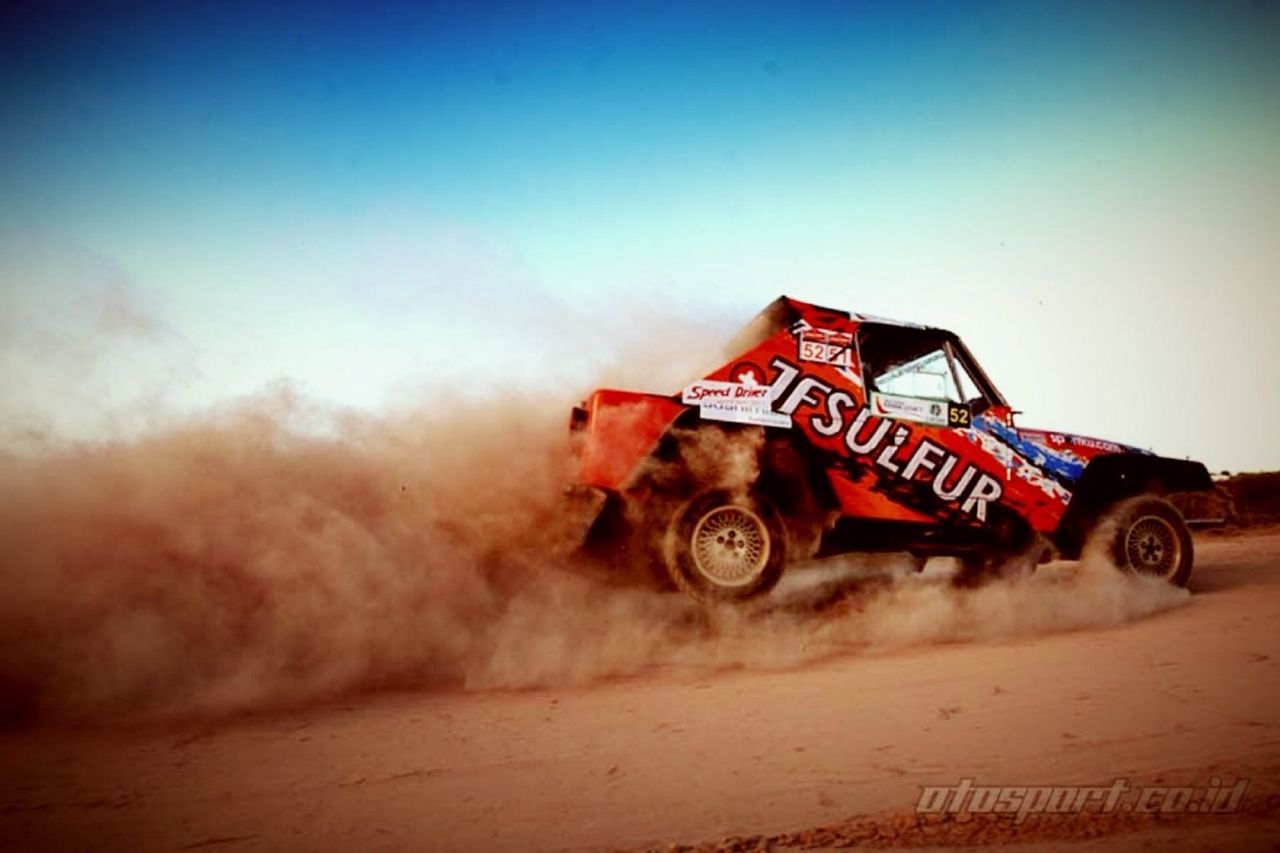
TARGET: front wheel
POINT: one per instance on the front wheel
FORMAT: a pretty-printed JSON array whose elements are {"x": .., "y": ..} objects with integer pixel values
[
  {"x": 726, "y": 547},
  {"x": 1151, "y": 538}
]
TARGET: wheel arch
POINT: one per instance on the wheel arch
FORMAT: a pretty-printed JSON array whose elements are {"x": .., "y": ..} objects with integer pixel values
[
  {"x": 791, "y": 475},
  {"x": 1115, "y": 477}
]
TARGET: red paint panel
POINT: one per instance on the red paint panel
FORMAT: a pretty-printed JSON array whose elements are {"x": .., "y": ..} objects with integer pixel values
[{"x": 623, "y": 428}]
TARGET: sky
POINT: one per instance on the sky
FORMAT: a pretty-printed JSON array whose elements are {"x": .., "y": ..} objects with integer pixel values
[{"x": 367, "y": 202}]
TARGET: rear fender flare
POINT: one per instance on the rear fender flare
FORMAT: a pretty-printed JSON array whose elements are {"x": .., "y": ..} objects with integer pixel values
[{"x": 791, "y": 474}]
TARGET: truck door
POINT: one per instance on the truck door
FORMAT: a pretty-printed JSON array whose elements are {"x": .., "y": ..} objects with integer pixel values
[{"x": 928, "y": 460}]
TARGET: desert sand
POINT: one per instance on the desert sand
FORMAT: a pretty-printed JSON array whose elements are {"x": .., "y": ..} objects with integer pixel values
[{"x": 813, "y": 753}]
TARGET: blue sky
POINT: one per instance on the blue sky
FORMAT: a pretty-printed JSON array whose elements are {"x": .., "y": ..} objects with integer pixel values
[{"x": 198, "y": 201}]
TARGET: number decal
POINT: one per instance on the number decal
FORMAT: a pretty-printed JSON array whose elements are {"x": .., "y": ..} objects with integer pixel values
[
  {"x": 826, "y": 347},
  {"x": 959, "y": 417}
]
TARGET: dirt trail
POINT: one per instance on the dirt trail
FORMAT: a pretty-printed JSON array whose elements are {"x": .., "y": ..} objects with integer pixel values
[{"x": 689, "y": 753}]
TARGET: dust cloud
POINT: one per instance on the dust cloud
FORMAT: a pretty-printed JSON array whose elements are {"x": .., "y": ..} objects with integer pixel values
[
  {"x": 274, "y": 552},
  {"x": 859, "y": 604}
]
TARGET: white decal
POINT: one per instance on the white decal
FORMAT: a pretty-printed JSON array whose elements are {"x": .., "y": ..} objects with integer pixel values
[
  {"x": 824, "y": 346},
  {"x": 738, "y": 413},
  {"x": 1095, "y": 443},
  {"x": 910, "y": 409},
  {"x": 734, "y": 402},
  {"x": 705, "y": 390}
]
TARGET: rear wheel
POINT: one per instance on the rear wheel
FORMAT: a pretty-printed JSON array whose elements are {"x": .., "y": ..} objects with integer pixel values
[
  {"x": 726, "y": 547},
  {"x": 1151, "y": 539}
]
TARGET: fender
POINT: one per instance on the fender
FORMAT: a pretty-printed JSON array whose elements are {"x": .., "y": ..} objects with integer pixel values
[
  {"x": 617, "y": 432},
  {"x": 1113, "y": 477}
]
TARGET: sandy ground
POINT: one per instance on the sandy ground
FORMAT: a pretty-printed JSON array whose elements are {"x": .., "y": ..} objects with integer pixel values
[{"x": 821, "y": 755}]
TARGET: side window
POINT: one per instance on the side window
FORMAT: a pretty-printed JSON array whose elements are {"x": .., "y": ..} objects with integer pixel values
[
  {"x": 921, "y": 364},
  {"x": 928, "y": 376}
]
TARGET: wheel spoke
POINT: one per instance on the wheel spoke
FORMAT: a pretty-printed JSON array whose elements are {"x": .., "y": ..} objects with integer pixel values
[
  {"x": 730, "y": 546},
  {"x": 1152, "y": 547}
]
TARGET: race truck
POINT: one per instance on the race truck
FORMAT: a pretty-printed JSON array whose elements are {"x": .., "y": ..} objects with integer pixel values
[{"x": 829, "y": 432}]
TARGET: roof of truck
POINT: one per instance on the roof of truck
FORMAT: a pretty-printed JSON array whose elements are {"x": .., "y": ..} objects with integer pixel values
[
  {"x": 786, "y": 312},
  {"x": 810, "y": 312}
]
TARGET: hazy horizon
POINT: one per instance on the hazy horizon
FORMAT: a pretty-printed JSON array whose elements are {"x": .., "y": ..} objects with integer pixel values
[{"x": 369, "y": 204}]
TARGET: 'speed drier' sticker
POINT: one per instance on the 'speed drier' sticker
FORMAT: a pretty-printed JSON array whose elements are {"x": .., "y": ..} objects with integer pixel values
[{"x": 734, "y": 402}]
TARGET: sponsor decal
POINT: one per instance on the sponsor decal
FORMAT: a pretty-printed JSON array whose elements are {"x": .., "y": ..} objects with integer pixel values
[
  {"x": 734, "y": 402},
  {"x": 910, "y": 409},
  {"x": 823, "y": 346},
  {"x": 1058, "y": 463},
  {"x": 1060, "y": 439},
  {"x": 746, "y": 372},
  {"x": 1095, "y": 443},
  {"x": 712, "y": 389},
  {"x": 740, "y": 414},
  {"x": 891, "y": 446},
  {"x": 848, "y": 370},
  {"x": 1016, "y": 465}
]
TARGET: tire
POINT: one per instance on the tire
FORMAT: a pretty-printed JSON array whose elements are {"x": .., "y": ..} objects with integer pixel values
[
  {"x": 1151, "y": 539},
  {"x": 722, "y": 547}
]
